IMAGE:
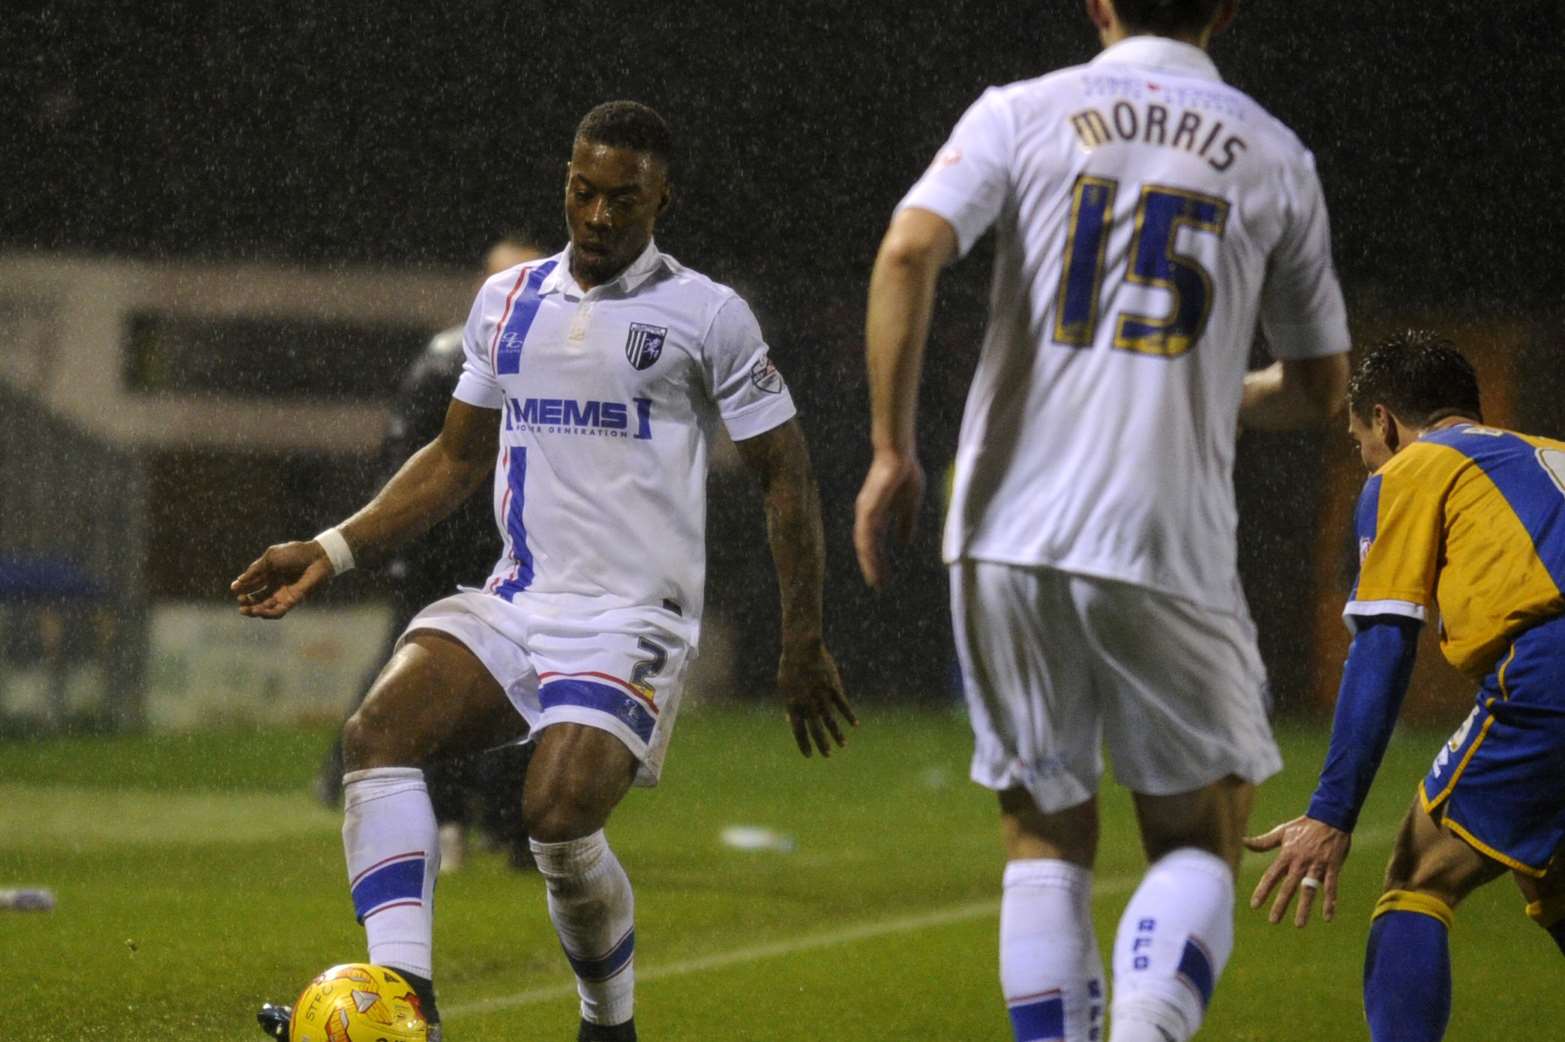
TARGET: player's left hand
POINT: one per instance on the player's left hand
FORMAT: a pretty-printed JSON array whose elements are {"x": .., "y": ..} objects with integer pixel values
[
  {"x": 893, "y": 490},
  {"x": 812, "y": 691},
  {"x": 1307, "y": 849}
]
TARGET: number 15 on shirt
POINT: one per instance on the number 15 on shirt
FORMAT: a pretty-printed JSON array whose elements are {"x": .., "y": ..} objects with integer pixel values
[{"x": 1154, "y": 261}]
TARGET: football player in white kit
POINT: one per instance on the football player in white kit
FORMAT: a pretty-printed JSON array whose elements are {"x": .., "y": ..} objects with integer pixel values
[
  {"x": 1146, "y": 218},
  {"x": 593, "y": 385}
]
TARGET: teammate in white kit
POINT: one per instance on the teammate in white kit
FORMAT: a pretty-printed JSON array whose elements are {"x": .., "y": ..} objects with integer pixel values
[
  {"x": 593, "y": 385},
  {"x": 1146, "y": 218}
]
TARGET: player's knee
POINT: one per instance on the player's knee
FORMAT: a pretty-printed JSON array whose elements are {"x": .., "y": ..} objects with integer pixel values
[
  {"x": 367, "y": 742},
  {"x": 1424, "y": 875},
  {"x": 1213, "y": 838},
  {"x": 561, "y": 822},
  {"x": 1399, "y": 876},
  {"x": 1210, "y": 820},
  {"x": 1435, "y": 906},
  {"x": 557, "y": 811}
]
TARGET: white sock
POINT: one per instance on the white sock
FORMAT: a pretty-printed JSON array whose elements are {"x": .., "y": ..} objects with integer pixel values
[
  {"x": 1140, "y": 1031},
  {"x": 594, "y": 913},
  {"x": 1050, "y": 969},
  {"x": 1173, "y": 942},
  {"x": 393, "y": 851}
]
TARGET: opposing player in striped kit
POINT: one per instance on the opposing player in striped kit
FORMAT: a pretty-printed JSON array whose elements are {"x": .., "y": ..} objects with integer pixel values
[
  {"x": 593, "y": 384},
  {"x": 1146, "y": 218},
  {"x": 1465, "y": 523}
]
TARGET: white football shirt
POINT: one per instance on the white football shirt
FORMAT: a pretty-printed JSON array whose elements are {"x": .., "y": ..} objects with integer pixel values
[
  {"x": 1146, "y": 215},
  {"x": 608, "y": 401}
]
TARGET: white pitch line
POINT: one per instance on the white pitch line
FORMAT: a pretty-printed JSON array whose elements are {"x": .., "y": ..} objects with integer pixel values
[
  {"x": 865, "y": 931},
  {"x": 756, "y": 952}
]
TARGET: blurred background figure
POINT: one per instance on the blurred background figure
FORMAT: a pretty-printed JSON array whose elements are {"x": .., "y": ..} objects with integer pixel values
[
  {"x": 483, "y": 790},
  {"x": 53, "y": 619}
]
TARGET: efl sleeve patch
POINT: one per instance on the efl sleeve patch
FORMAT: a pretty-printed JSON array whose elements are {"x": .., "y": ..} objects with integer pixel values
[{"x": 751, "y": 395}]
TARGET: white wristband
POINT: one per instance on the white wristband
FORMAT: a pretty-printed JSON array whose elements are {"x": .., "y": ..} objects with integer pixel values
[{"x": 338, "y": 552}]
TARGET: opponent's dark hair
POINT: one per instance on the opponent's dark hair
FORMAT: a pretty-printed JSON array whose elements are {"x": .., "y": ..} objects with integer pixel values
[
  {"x": 1166, "y": 17},
  {"x": 628, "y": 124},
  {"x": 1419, "y": 375}
]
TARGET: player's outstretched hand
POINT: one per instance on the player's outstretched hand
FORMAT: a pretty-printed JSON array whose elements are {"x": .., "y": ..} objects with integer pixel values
[
  {"x": 280, "y": 579},
  {"x": 812, "y": 691},
  {"x": 1306, "y": 850},
  {"x": 893, "y": 490}
]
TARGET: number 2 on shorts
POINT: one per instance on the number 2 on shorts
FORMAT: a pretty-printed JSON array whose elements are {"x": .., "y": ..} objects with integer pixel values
[{"x": 651, "y": 666}]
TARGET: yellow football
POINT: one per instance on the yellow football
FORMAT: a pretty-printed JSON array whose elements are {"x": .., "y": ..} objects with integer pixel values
[{"x": 358, "y": 1002}]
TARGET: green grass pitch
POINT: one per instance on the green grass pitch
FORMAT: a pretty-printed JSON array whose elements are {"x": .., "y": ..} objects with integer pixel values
[{"x": 196, "y": 877}]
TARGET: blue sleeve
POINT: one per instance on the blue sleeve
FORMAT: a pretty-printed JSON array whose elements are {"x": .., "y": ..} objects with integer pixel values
[
  {"x": 1366, "y": 518},
  {"x": 1374, "y": 681}
]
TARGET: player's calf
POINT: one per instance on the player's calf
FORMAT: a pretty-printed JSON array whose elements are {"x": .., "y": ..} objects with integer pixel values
[
  {"x": 1050, "y": 970},
  {"x": 392, "y": 849},
  {"x": 593, "y": 910},
  {"x": 1407, "y": 968},
  {"x": 1173, "y": 942}
]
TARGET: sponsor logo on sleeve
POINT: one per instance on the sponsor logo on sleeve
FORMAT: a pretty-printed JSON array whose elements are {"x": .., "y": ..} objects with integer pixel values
[
  {"x": 644, "y": 344},
  {"x": 765, "y": 376}
]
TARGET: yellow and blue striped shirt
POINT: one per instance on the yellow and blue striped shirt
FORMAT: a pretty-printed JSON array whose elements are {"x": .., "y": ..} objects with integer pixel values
[{"x": 1469, "y": 519}]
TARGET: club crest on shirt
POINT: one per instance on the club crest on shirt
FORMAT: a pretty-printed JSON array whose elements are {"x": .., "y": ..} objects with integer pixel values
[
  {"x": 644, "y": 344},
  {"x": 765, "y": 376}
]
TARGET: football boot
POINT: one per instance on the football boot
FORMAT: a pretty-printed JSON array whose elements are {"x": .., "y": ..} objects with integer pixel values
[
  {"x": 274, "y": 1020},
  {"x": 589, "y": 1032}
]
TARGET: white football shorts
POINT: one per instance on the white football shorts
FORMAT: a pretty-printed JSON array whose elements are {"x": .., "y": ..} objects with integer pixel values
[
  {"x": 620, "y": 670},
  {"x": 1056, "y": 663}
]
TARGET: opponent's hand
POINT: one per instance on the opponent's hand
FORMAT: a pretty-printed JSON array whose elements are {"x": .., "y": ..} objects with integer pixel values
[
  {"x": 893, "y": 490},
  {"x": 280, "y": 579},
  {"x": 1307, "y": 849},
  {"x": 812, "y": 691}
]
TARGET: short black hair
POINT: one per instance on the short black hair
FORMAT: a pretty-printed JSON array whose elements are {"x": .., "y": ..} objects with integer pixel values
[
  {"x": 628, "y": 124},
  {"x": 1419, "y": 375},
  {"x": 1166, "y": 17}
]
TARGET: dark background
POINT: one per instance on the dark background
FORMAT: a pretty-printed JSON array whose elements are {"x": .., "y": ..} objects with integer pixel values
[
  {"x": 352, "y": 133},
  {"x": 375, "y": 132}
]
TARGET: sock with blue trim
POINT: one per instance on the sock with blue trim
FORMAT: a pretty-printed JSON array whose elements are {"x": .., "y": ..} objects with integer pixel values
[
  {"x": 1050, "y": 970},
  {"x": 1173, "y": 942},
  {"x": 1549, "y": 913},
  {"x": 392, "y": 845},
  {"x": 593, "y": 910},
  {"x": 1407, "y": 968}
]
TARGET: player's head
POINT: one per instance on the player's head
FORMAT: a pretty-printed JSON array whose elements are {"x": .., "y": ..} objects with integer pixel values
[
  {"x": 616, "y": 186},
  {"x": 1191, "y": 20},
  {"x": 1408, "y": 382}
]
